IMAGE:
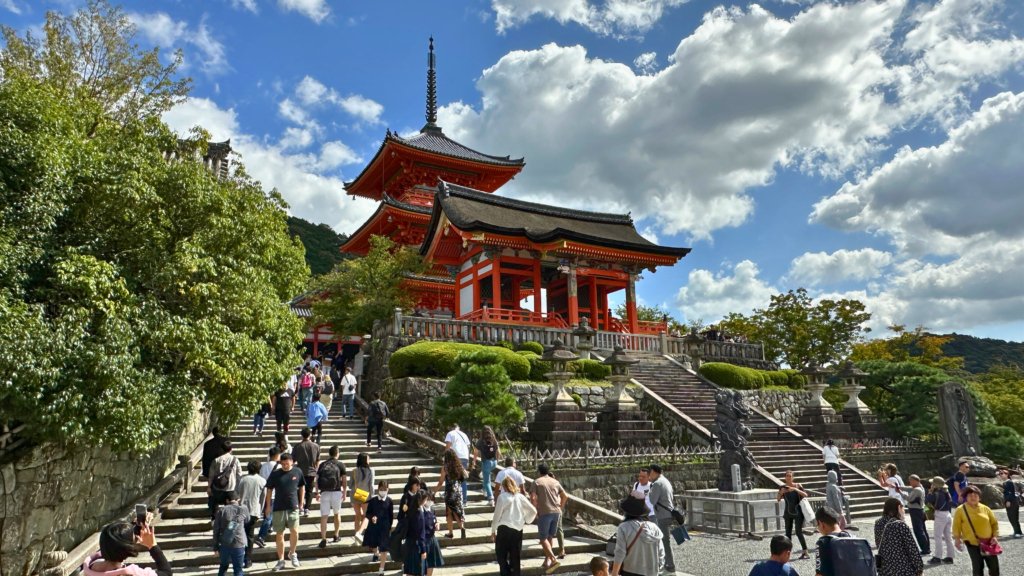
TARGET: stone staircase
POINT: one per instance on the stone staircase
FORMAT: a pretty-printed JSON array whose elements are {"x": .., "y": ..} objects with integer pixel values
[
  {"x": 775, "y": 448},
  {"x": 184, "y": 530}
]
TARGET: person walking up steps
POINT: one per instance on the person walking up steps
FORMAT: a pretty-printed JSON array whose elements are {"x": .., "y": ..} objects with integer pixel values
[
  {"x": 316, "y": 415},
  {"x": 452, "y": 474},
  {"x": 332, "y": 482},
  {"x": 225, "y": 472},
  {"x": 285, "y": 490},
  {"x": 252, "y": 491},
  {"x": 362, "y": 487},
  {"x": 378, "y": 413},
  {"x": 380, "y": 513},
  {"x": 663, "y": 500},
  {"x": 307, "y": 458},
  {"x": 512, "y": 512},
  {"x": 549, "y": 498},
  {"x": 282, "y": 401},
  {"x": 830, "y": 453},
  {"x": 266, "y": 469},
  {"x": 458, "y": 441},
  {"x": 488, "y": 453},
  {"x": 229, "y": 535},
  {"x": 510, "y": 471},
  {"x": 348, "y": 394}
]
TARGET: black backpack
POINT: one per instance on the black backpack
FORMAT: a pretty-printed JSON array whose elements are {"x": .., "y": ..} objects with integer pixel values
[
  {"x": 377, "y": 411},
  {"x": 851, "y": 557},
  {"x": 329, "y": 478},
  {"x": 328, "y": 388},
  {"x": 223, "y": 480}
]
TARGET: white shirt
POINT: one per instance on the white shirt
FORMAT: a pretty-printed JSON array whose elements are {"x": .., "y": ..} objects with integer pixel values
[
  {"x": 512, "y": 510},
  {"x": 516, "y": 476},
  {"x": 348, "y": 384},
  {"x": 831, "y": 454},
  {"x": 267, "y": 467},
  {"x": 645, "y": 489},
  {"x": 459, "y": 442},
  {"x": 894, "y": 483}
]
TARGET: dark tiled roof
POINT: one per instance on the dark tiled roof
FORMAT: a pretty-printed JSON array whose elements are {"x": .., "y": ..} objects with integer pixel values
[
  {"x": 387, "y": 199},
  {"x": 432, "y": 139},
  {"x": 302, "y": 311},
  {"x": 427, "y": 278},
  {"x": 476, "y": 211}
]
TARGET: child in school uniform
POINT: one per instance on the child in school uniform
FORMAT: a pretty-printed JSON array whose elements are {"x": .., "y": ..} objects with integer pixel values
[{"x": 380, "y": 513}]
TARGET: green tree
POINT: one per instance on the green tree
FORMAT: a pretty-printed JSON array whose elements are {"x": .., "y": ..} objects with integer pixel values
[
  {"x": 478, "y": 395},
  {"x": 916, "y": 345},
  {"x": 130, "y": 286},
  {"x": 365, "y": 289},
  {"x": 795, "y": 330},
  {"x": 1001, "y": 388}
]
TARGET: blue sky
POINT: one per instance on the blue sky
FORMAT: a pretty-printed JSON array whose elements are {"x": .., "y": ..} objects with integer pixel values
[{"x": 866, "y": 148}]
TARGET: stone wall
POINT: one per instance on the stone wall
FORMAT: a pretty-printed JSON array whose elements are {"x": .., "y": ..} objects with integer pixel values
[
  {"x": 54, "y": 498},
  {"x": 606, "y": 487},
  {"x": 785, "y": 406},
  {"x": 923, "y": 463},
  {"x": 412, "y": 400}
]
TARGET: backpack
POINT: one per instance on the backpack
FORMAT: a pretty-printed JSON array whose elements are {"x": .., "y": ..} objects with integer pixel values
[
  {"x": 307, "y": 380},
  {"x": 377, "y": 411},
  {"x": 851, "y": 557},
  {"x": 222, "y": 480},
  {"x": 329, "y": 478},
  {"x": 489, "y": 452},
  {"x": 227, "y": 532},
  {"x": 328, "y": 388}
]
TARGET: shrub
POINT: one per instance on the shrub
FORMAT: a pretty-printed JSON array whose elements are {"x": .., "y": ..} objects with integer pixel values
[
  {"x": 427, "y": 358},
  {"x": 478, "y": 394},
  {"x": 535, "y": 347},
  {"x": 527, "y": 354},
  {"x": 538, "y": 368},
  {"x": 776, "y": 378},
  {"x": 836, "y": 397},
  {"x": 590, "y": 369},
  {"x": 506, "y": 345},
  {"x": 1001, "y": 443},
  {"x": 796, "y": 381},
  {"x": 732, "y": 376}
]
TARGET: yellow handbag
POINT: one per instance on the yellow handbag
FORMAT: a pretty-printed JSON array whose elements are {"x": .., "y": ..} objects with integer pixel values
[{"x": 360, "y": 495}]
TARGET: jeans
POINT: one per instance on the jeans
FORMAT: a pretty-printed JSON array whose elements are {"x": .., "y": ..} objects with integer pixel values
[
  {"x": 305, "y": 396},
  {"x": 257, "y": 421},
  {"x": 1013, "y": 514},
  {"x": 265, "y": 527},
  {"x": 488, "y": 467},
  {"x": 372, "y": 425},
  {"x": 465, "y": 485},
  {"x": 796, "y": 522},
  {"x": 943, "y": 530},
  {"x": 666, "y": 525},
  {"x": 348, "y": 405},
  {"x": 978, "y": 561},
  {"x": 236, "y": 556},
  {"x": 250, "y": 529},
  {"x": 920, "y": 532},
  {"x": 508, "y": 547}
]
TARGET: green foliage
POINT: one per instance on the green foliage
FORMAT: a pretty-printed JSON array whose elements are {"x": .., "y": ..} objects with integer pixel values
[
  {"x": 835, "y": 397},
  {"x": 425, "y": 358},
  {"x": 590, "y": 369},
  {"x": 1002, "y": 444},
  {"x": 538, "y": 368},
  {"x": 322, "y": 244},
  {"x": 982, "y": 354},
  {"x": 795, "y": 380},
  {"x": 577, "y": 399},
  {"x": 535, "y": 347},
  {"x": 129, "y": 286},
  {"x": 1002, "y": 388},
  {"x": 732, "y": 376},
  {"x": 478, "y": 394},
  {"x": 914, "y": 346},
  {"x": 506, "y": 344},
  {"x": 795, "y": 330},
  {"x": 365, "y": 289}
]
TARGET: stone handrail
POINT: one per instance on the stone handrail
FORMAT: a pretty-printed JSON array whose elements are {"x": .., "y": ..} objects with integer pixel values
[
  {"x": 179, "y": 479},
  {"x": 437, "y": 447}
]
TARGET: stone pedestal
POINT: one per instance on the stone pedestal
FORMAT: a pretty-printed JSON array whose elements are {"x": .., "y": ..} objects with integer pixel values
[
  {"x": 863, "y": 424},
  {"x": 748, "y": 512},
  {"x": 820, "y": 416},
  {"x": 559, "y": 423},
  {"x": 622, "y": 423}
]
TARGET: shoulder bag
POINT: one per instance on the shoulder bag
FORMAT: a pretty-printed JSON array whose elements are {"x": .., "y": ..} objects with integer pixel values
[
  {"x": 636, "y": 537},
  {"x": 989, "y": 546}
]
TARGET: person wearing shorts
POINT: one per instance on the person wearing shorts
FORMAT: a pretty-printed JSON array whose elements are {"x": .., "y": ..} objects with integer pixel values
[
  {"x": 285, "y": 489},
  {"x": 549, "y": 499},
  {"x": 330, "y": 478}
]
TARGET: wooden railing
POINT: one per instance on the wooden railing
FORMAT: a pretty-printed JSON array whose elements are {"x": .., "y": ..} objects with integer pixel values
[
  {"x": 502, "y": 325},
  {"x": 648, "y": 327}
]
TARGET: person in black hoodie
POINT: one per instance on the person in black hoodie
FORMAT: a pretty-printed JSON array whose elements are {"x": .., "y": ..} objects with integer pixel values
[{"x": 213, "y": 449}]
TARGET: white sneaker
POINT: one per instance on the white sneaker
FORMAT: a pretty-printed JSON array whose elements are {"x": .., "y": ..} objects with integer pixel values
[
  {"x": 295, "y": 560},
  {"x": 279, "y": 566}
]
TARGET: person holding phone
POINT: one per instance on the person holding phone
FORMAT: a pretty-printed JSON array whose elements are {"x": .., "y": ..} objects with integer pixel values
[{"x": 122, "y": 540}]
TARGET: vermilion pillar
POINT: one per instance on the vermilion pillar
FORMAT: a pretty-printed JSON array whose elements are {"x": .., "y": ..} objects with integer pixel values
[
  {"x": 536, "y": 288},
  {"x": 593, "y": 301},
  {"x": 496, "y": 284},
  {"x": 631, "y": 319}
]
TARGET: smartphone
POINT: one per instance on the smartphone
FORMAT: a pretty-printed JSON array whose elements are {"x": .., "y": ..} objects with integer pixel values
[{"x": 140, "y": 514}]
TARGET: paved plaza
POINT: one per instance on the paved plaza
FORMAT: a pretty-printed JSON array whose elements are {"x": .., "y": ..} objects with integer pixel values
[{"x": 720, "y": 555}]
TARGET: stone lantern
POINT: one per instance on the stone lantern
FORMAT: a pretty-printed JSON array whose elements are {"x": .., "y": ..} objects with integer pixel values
[
  {"x": 693, "y": 342},
  {"x": 584, "y": 338},
  {"x": 817, "y": 385},
  {"x": 559, "y": 357},
  {"x": 620, "y": 362},
  {"x": 850, "y": 377}
]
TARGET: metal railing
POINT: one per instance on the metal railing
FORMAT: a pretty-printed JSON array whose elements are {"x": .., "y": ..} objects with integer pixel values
[{"x": 591, "y": 457}]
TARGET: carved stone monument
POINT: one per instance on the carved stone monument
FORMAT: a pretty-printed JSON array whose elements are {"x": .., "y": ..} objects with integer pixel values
[
  {"x": 960, "y": 428},
  {"x": 730, "y": 413}
]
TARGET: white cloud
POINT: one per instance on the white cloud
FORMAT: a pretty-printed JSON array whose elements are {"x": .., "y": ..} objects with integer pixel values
[
  {"x": 315, "y": 10},
  {"x": 745, "y": 94},
  {"x": 11, "y": 6},
  {"x": 166, "y": 32},
  {"x": 249, "y": 5},
  {"x": 814, "y": 268},
  {"x": 711, "y": 296},
  {"x": 308, "y": 182},
  {"x": 646, "y": 63},
  {"x": 617, "y": 17},
  {"x": 312, "y": 93}
]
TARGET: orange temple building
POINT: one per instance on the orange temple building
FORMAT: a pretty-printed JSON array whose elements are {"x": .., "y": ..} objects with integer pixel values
[{"x": 492, "y": 258}]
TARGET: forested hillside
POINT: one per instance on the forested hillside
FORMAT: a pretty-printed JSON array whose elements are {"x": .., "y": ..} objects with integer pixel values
[
  {"x": 981, "y": 354},
  {"x": 321, "y": 244}
]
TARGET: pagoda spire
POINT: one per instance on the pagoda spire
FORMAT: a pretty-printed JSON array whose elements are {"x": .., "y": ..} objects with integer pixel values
[{"x": 431, "y": 90}]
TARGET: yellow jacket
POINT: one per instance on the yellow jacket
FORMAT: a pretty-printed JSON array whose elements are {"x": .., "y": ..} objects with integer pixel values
[{"x": 982, "y": 518}]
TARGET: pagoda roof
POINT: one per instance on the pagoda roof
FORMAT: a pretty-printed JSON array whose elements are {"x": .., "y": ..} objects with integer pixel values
[
  {"x": 358, "y": 242},
  {"x": 433, "y": 139},
  {"x": 474, "y": 211}
]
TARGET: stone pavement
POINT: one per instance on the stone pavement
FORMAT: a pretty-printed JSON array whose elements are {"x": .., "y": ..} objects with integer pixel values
[{"x": 719, "y": 555}]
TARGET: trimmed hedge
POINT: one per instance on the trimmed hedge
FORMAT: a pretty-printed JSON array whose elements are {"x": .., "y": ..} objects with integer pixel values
[
  {"x": 590, "y": 369},
  {"x": 535, "y": 347},
  {"x": 427, "y": 358},
  {"x": 742, "y": 378},
  {"x": 506, "y": 344}
]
